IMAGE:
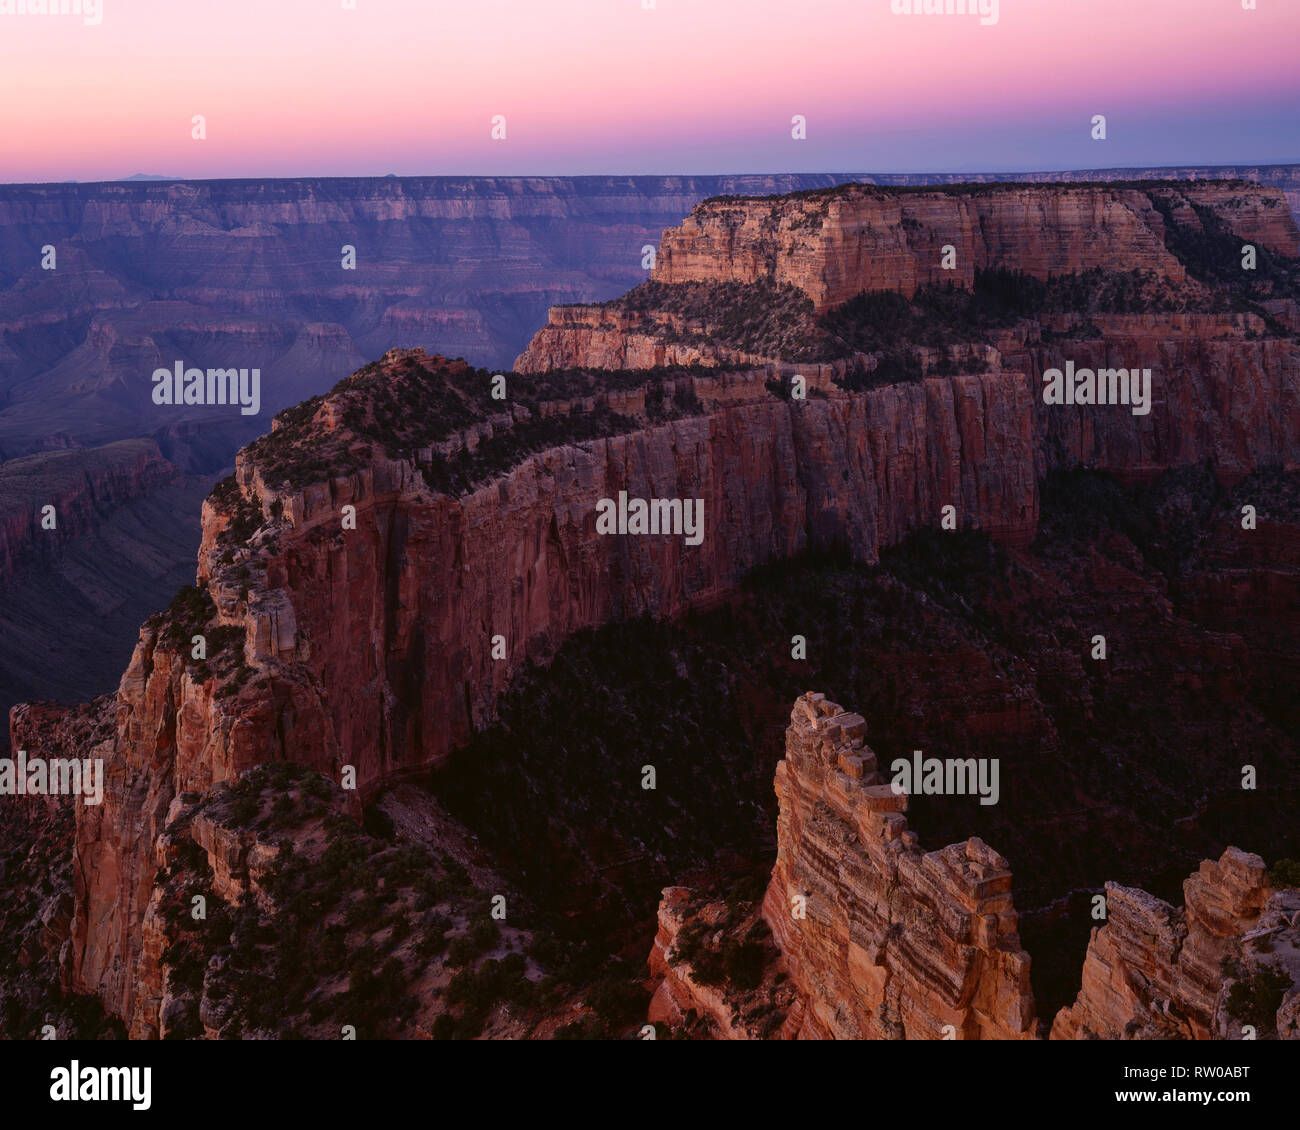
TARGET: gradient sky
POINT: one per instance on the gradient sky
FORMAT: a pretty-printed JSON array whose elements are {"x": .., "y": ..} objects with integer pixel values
[{"x": 305, "y": 87}]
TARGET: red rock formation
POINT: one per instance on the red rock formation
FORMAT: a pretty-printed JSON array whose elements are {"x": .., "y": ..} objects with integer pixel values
[
  {"x": 835, "y": 244},
  {"x": 1225, "y": 387},
  {"x": 372, "y": 647},
  {"x": 882, "y": 939},
  {"x": 1154, "y": 971}
]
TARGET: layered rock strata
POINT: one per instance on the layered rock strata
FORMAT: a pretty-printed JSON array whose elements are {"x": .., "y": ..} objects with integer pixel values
[
  {"x": 834, "y": 245},
  {"x": 1155, "y": 971},
  {"x": 882, "y": 939},
  {"x": 372, "y": 647},
  {"x": 360, "y": 602}
]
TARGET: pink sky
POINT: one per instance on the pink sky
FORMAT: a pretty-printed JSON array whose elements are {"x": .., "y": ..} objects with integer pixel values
[{"x": 305, "y": 87}]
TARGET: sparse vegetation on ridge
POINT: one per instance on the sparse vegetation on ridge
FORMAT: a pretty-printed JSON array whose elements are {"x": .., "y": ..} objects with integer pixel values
[{"x": 408, "y": 403}]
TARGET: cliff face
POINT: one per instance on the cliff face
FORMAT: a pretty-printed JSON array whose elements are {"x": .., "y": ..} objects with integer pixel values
[
  {"x": 37, "y": 842},
  {"x": 882, "y": 939},
  {"x": 1284, "y": 178},
  {"x": 83, "y": 486},
  {"x": 427, "y": 579},
  {"x": 249, "y": 273},
  {"x": 834, "y": 245},
  {"x": 601, "y": 338},
  {"x": 1224, "y": 390},
  {"x": 72, "y": 597},
  {"x": 1225, "y": 385}
]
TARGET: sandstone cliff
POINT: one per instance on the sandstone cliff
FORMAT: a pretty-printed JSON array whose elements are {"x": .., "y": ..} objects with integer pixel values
[
  {"x": 372, "y": 647},
  {"x": 837, "y": 243},
  {"x": 1225, "y": 386}
]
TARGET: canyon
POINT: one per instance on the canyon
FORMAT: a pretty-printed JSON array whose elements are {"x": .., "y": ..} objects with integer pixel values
[
  {"x": 250, "y": 274},
  {"x": 76, "y": 581},
  {"x": 394, "y": 557}
]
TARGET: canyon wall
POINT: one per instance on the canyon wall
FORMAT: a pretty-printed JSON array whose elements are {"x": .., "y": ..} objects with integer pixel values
[
  {"x": 82, "y": 486},
  {"x": 1225, "y": 387},
  {"x": 372, "y": 647},
  {"x": 250, "y": 274},
  {"x": 72, "y": 597},
  {"x": 834, "y": 245},
  {"x": 1224, "y": 390},
  {"x": 1284, "y": 178}
]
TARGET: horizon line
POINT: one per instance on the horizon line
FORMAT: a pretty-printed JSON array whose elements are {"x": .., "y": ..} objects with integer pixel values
[{"x": 146, "y": 179}]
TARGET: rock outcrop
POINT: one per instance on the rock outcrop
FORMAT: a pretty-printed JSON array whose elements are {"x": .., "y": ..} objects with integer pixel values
[
  {"x": 882, "y": 939},
  {"x": 833, "y": 245},
  {"x": 767, "y": 1007},
  {"x": 1154, "y": 971}
]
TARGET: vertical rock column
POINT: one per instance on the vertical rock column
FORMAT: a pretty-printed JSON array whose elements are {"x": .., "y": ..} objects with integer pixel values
[{"x": 882, "y": 939}]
